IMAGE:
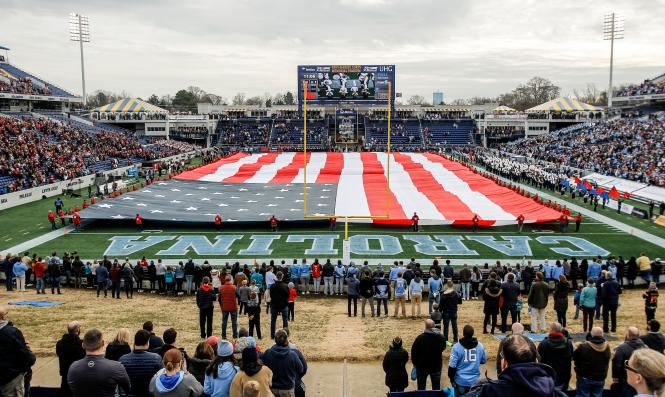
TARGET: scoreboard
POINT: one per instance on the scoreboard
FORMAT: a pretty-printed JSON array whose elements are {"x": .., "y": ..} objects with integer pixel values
[{"x": 335, "y": 84}]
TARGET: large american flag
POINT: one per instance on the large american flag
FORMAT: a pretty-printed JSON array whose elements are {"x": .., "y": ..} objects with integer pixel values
[{"x": 439, "y": 190}]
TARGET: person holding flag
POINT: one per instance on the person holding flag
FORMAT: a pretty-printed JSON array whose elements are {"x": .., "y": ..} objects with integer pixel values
[
  {"x": 414, "y": 220},
  {"x": 333, "y": 224},
  {"x": 273, "y": 223},
  {"x": 77, "y": 221},
  {"x": 51, "y": 219},
  {"x": 520, "y": 223},
  {"x": 475, "y": 221},
  {"x": 563, "y": 223},
  {"x": 218, "y": 221},
  {"x": 578, "y": 222},
  {"x": 138, "y": 220}
]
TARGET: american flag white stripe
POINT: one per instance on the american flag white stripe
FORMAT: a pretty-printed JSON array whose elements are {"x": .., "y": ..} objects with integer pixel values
[
  {"x": 268, "y": 171},
  {"x": 228, "y": 170},
  {"x": 351, "y": 199},
  {"x": 477, "y": 202},
  {"x": 317, "y": 161},
  {"x": 408, "y": 196}
]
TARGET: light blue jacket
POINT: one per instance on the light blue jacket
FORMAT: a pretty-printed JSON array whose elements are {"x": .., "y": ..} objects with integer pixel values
[
  {"x": 19, "y": 269},
  {"x": 467, "y": 362},
  {"x": 305, "y": 270},
  {"x": 588, "y": 297},
  {"x": 220, "y": 386}
]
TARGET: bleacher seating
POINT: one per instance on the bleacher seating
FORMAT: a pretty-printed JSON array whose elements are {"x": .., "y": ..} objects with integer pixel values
[
  {"x": 289, "y": 133},
  {"x": 39, "y": 86},
  {"x": 402, "y": 133},
  {"x": 447, "y": 132},
  {"x": 243, "y": 132}
]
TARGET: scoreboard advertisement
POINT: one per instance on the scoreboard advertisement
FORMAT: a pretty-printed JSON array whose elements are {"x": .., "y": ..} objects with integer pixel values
[
  {"x": 334, "y": 84},
  {"x": 346, "y": 126}
]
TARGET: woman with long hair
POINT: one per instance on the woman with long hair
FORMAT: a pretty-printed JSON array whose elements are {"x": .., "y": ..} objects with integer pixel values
[
  {"x": 203, "y": 356},
  {"x": 476, "y": 278},
  {"x": 491, "y": 293},
  {"x": 119, "y": 346},
  {"x": 221, "y": 371},
  {"x": 646, "y": 372}
]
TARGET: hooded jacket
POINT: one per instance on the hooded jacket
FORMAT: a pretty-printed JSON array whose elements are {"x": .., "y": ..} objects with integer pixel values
[
  {"x": 220, "y": 386},
  {"x": 394, "y": 365},
  {"x": 197, "y": 367},
  {"x": 557, "y": 352},
  {"x": 285, "y": 364},
  {"x": 205, "y": 297},
  {"x": 465, "y": 359},
  {"x": 654, "y": 341},
  {"x": 592, "y": 358},
  {"x": 523, "y": 380},
  {"x": 179, "y": 385},
  {"x": 623, "y": 353},
  {"x": 258, "y": 373}
]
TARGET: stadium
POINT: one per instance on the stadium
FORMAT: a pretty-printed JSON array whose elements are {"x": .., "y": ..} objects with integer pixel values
[{"x": 336, "y": 192}]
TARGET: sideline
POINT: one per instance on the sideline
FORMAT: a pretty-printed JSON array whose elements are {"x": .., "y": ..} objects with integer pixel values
[{"x": 44, "y": 238}]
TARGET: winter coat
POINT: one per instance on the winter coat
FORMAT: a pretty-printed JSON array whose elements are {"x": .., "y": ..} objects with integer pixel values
[
  {"x": 68, "y": 349},
  {"x": 263, "y": 376},
  {"x": 538, "y": 295},
  {"x": 227, "y": 298},
  {"x": 197, "y": 367},
  {"x": 286, "y": 366},
  {"x": 610, "y": 292},
  {"x": 16, "y": 356},
  {"x": 115, "y": 350},
  {"x": 394, "y": 365},
  {"x": 181, "y": 385},
  {"x": 557, "y": 352},
  {"x": 426, "y": 351},
  {"x": 592, "y": 359},
  {"x": 561, "y": 297},
  {"x": 623, "y": 353},
  {"x": 519, "y": 380}
]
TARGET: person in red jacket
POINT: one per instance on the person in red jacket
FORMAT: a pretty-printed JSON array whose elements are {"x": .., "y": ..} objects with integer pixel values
[
  {"x": 139, "y": 222},
  {"x": 84, "y": 204},
  {"x": 520, "y": 223},
  {"x": 218, "y": 221},
  {"x": 578, "y": 222},
  {"x": 70, "y": 213},
  {"x": 61, "y": 215},
  {"x": 77, "y": 221},
  {"x": 93, "y": 200},
  {"x": 273, "y": 223},
  {"x": 475, "y": 222},
  {"x": 292, "y": 302},
  {"x": 229, "y": 304},
  {"x": 39, "y": 268},
  {"x": 51, "y": 219},
  {"x": 414, "y": 219},
  {"x": 563, "y": 223},
  {"x": 316, "y": 275},
  {"x": 333, "y": 224}
]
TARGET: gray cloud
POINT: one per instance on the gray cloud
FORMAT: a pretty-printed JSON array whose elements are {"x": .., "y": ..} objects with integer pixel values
[{"x": 469, "y": 48}]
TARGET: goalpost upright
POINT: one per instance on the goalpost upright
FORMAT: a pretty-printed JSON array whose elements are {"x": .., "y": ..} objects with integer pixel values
[{"x": 346, "y": 217}]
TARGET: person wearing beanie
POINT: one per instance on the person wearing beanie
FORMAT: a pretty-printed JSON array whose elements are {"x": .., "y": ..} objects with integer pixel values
[
  {"x": 394, "y": 365},
  {"x": 172, "y": 380},
  {"x": 251, "y": 370},
  {"x": 221, "y": 371},
  {"x": 205, "y": 300},
  {"x": 212, "y": 341}
]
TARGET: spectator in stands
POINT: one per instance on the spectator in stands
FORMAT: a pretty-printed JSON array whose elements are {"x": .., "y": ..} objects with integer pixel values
[
  {"x": 394, "y": 365},
  {"x": 251, "y": 371},
  {"x": 653, "y": 338},
  {"x": 119, "y": 346},
  {"x": 466, "y": 357},
  {"x": 17, "y": 358},
  {"x": 69, "y": 349},
  {"x": 95, "y": 375},
  {"x": 172, "y": 380},
  {"x": 623, "y": 353},
  {"x": 286, "y": 365},
  {"x": 538, "y": 302},
  {"x": 592, "y": 361},
  {"x": 141, "y": 365},
  {"x": 646, "y": 373},
  {"x": 522, "y": 375},
  {"x": 426, "y": 356},
  {"x": 155, "y": 341},
  {"x": 556, "y": 350}
]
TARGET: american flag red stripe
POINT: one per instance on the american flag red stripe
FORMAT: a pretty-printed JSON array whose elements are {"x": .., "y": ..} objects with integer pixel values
[{"x": 442, "y": 191}]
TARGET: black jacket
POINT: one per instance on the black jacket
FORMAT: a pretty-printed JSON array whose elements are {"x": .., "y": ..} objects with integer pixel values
[
  {"x": 366, "y": 287},
  {"x": 205, "y": 300},
  {"x": 654, "y": 341},
  {"x": 623, "y": 353},
  {"x": 16, "y": 356},
  {"x": 426, "y": 352},
  {"x": 448, "y": 302},
  {"x": 394, "y": 365},
  {"x": 197, "y": 367},
  {"x": 155, "y": 342},
  {"x": 610, "y": 292},
  {"x": 116, "y": 350},
  {"x": 53, "y": 270},
  {"x": 328, "y": 270},
  {"x": 279, "y": 295},
  {"x": 557, "y": 352},
  {"x": 520, "y": 380},
  {"x": 592, "y": 359},
  {"x": 510, "y": 292},
  {"x": 68, "y": 349}
]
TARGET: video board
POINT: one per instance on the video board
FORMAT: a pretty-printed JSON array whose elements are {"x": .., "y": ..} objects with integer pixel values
[{"x": 334, "y": 84}]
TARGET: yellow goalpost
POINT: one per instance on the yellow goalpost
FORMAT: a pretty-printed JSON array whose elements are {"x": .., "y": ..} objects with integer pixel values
[{"x": 346, "y": 217}]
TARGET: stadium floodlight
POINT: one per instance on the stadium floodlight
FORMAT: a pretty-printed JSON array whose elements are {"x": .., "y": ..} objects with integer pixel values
[
  {"x": 612, "y": 30},
  {"x": 79, "y": 30}
]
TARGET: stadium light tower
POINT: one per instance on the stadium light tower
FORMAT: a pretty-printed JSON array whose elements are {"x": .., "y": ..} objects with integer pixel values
[
  {"x": 612, "y": 30},
  {"x": 79, "y": 30}
]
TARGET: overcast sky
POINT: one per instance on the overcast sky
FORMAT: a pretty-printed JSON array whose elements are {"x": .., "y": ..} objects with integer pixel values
[{"x": 465, "y": 48}]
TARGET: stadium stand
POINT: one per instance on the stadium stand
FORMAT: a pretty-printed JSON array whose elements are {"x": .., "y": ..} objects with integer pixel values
[
  {"x": 37, "y": 150},
  {"x": 242, "y": 132},
  {"x": 403, "y": 133},
  {"x": 439, "y": 132},
  {"x": 647, "y": 87},
  {"x": 288, "y": 133},
  {"x": 17, "y": 81},
  {"x": 627, "y": 148}
]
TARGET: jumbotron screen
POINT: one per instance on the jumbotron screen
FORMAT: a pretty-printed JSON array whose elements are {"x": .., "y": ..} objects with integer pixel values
[{"x": 331, "y": 84}]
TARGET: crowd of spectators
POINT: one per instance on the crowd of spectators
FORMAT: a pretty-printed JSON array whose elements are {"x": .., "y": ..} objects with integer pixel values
[
  {"x": 241, "y": 134},
  {"x": 290, "y": 134},
  {"x": 626, "y": 148},
  {"x": 37, "y": 151},
  {"x": 23, "y": 85},
  {"x": 647, "y": 87},
  {"x": 170, "y": 145}
]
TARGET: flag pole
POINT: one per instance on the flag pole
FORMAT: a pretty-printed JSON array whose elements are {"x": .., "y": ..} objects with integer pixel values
[{"x": 304, "y": 98}]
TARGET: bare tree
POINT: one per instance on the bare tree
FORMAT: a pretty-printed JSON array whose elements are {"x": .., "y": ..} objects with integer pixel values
[
  {"x": 238, "y": 99},
  {"x": 416, "y": 100}
]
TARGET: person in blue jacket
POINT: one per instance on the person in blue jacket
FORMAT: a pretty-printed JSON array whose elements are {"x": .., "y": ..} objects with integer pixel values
[
  {"x": 294, "y": 270},
  {"x": 594, "y": 270},
  {"x": 434, "y": 286},
  {"x": 305, "y": 273},
  {"x": 465, "y": 359},
  {"x": 286, "y": 365},
  {"x": 220, "y": 373}
]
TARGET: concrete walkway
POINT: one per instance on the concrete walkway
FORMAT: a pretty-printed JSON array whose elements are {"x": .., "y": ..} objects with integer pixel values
[{"x": 592, "y": 214}]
